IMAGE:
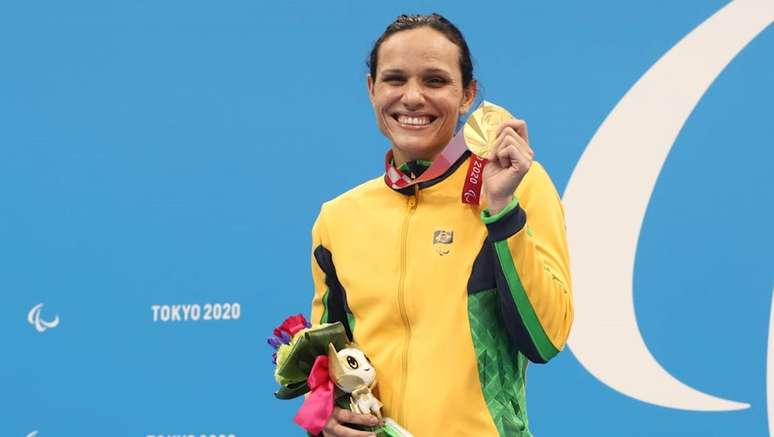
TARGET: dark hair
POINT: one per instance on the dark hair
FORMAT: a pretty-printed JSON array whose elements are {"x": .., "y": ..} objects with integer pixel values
[{"x": 434, "y": 21}]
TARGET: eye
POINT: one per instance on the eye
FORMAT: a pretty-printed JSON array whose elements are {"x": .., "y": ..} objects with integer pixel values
[
  {"x": 352, "y": 362},
  {"x": 393, "y": 79},
  {"x": 436, "y": 81}
]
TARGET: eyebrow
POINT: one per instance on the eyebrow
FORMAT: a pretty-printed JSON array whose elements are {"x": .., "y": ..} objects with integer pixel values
[
  {"x": 429, "y": 70},
  {"x": 392, "y": 71},
  {"x": 437, "y": 71}
]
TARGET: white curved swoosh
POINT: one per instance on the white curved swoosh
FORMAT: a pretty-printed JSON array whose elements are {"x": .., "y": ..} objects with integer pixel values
[
  {"x": 609, "y": 191},
  {"x": 39, "y": 325},
  {"x": 52, "y": 324},
  {"x": 34, "y": 314}
]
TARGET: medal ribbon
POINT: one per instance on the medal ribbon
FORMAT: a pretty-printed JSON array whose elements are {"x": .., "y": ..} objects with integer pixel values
[
  {"x": 450, "y": 154},
  {"x": 471, "y": 191}
]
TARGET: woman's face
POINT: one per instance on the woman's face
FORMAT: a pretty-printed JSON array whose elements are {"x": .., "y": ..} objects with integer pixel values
[{"x": 417, "y": 93}]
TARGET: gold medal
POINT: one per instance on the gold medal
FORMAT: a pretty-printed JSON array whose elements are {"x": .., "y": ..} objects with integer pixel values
[{"x": 480, "y": 130}]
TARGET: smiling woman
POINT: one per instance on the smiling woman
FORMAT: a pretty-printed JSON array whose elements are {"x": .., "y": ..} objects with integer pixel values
[
  {"x": 449, "y": 298},
  {"x": 420, "y": 91}
]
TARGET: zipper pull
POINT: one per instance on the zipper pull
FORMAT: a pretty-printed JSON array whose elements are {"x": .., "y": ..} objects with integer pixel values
[{"x": 412, "y": 201}]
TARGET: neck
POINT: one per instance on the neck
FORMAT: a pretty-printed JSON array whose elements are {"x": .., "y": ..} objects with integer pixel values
[{"x": 400, "y": 158}]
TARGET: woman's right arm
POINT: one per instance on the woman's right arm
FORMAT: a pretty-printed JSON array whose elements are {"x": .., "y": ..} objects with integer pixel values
[
  {"x": 329, "y": 304},
  {"x": 319, "y": 315},
  {"x": 335, "y": 427}
]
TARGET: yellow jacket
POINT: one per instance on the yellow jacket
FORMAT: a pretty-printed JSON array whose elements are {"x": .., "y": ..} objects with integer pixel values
[{"x": 448, "y": 302}]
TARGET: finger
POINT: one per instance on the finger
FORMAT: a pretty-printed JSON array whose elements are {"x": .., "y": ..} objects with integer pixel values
[
  {"x": 500, "y": 142},
  {"x": 492, "y": 155},
  {"x": 511, "y": 156},
  {"x": 522, "y": 144},
  {"x": 506, "y": 129},
  {"x": 346, "y": 416},
  {"x": 342, "y": 431},
  {"x": 503, "y": 156},
  {"x": 520, "y": 126},
  {"x": 509, "y": 142},
  {"x": 496, "y": 155}
]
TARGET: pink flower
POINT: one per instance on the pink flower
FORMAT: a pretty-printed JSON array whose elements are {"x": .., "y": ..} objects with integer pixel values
[{"x": 292, "y": 325}]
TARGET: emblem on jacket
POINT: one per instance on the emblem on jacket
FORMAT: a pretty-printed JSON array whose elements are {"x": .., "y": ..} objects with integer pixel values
[{"x": 441, "y": 241}]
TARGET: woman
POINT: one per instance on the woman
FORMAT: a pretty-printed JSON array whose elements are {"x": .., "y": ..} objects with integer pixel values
[{"x": 448, "y": 299}]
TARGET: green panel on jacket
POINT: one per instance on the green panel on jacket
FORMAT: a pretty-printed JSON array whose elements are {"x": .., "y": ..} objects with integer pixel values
[{"x": 501, "y": 371}]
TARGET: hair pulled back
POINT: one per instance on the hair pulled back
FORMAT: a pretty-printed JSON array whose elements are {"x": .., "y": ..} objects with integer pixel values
[{"x": 434, "y": 21}]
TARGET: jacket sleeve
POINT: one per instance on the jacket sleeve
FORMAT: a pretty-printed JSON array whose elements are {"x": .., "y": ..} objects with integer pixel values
[
  {"x": 329, "y": 303},
  {"x": 532, "y": 267},
  {"x": 319, "y": 301}
]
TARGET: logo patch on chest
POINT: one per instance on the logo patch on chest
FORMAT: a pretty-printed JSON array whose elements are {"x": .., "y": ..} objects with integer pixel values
[{"x": 442, "y": 241}]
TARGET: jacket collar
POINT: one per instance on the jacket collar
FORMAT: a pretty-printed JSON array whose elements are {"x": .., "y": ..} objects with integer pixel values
[
  {"x": 413, "y": 169},
  {"x": 426, "y": 184}
]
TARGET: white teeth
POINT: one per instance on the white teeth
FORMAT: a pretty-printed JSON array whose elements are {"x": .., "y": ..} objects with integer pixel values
[{"x": 415, "y": 121}]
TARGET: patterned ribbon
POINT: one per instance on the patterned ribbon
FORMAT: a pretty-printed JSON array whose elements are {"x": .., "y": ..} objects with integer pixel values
[{"x": 450, "y": 154}]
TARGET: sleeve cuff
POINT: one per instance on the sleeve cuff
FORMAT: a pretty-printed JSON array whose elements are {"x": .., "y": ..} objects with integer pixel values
[{"x": 505, "y": 223}]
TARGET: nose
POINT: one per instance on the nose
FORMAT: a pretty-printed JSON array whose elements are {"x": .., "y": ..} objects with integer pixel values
[{"x": 413, "y": 96}]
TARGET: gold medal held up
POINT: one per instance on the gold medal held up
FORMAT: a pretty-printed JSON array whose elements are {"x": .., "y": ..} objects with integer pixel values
[{"x": 480, "y": 130}]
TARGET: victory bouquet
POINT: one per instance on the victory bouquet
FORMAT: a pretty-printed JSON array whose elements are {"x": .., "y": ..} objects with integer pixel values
[{"x": 322, "y": 362}]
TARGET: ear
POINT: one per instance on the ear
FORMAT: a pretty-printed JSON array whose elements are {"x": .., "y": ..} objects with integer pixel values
[
  {"x": 370, "y": 85},
  {"x": 335, "y": 370},
  {"x": 469, "y": 96}
]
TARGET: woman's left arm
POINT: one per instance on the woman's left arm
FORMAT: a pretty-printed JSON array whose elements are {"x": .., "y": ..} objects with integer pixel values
[{"x": 525, "y": 223}]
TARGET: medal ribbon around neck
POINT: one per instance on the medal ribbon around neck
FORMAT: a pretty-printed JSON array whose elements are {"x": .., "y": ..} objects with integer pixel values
[
  {"x": 478, "y": 135},
  {"x": 450, "y": 154}
]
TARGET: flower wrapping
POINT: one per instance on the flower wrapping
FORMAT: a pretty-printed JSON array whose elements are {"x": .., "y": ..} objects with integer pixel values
[
  {"x": 318, "y": 406},
  {"x": 295, "y": 356}
]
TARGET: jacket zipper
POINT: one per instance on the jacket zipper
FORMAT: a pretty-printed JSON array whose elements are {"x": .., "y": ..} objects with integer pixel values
[{"x": 413, "y": 200}]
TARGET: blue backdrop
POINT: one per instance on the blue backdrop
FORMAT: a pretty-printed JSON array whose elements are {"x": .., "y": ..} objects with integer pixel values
[{"x": 159, "y": 159}]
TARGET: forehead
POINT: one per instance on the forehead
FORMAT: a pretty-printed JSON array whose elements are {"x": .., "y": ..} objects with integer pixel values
[
  {"x": 419, "y": 48},
  {"x": 357, "y": 353}
]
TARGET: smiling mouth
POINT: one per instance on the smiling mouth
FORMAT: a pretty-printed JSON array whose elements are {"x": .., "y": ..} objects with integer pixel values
[{"x": 414, "y": 121}]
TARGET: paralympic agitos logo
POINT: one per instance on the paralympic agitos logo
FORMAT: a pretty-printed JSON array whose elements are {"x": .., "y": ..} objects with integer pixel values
[
  {"x": 34, "y": 318},
  {"x": 603, "y": 267}
]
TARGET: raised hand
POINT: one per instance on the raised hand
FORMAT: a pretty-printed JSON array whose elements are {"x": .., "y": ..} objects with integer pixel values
[{"x": 509, "y": 161}]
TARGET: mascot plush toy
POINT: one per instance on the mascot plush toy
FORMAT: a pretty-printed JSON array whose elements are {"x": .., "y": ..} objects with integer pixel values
[{"x": 353, "y": 373}]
